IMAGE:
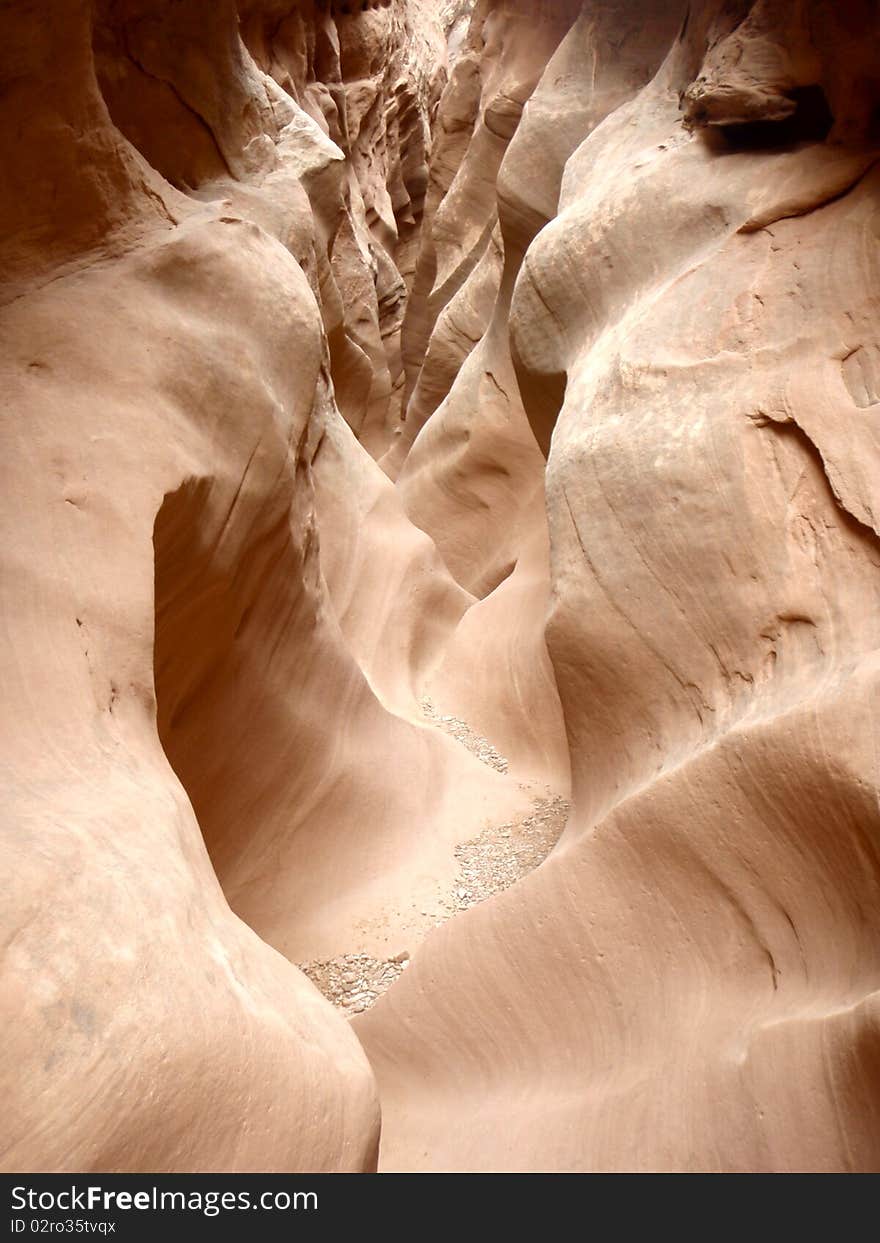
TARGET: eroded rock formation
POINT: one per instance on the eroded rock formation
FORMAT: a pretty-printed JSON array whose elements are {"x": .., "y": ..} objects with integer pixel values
[{"x": 417, "y": 415}]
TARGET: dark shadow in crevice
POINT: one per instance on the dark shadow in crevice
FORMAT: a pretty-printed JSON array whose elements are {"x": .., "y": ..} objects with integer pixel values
[
  {"x": 149, "y": 111},
  {"x": 542, "y": 397},
  {"x": 235, "y": 606},
  {"x": 194, "y": 627},
  {"x": 811, "y": 122}
]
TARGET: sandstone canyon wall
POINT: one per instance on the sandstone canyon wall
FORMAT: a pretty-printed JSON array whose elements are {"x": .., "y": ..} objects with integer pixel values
[{"x": 440, "y": 570}]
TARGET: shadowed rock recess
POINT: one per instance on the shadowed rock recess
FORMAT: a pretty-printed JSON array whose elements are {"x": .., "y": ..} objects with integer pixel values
[{"x": 440, "y": 585}]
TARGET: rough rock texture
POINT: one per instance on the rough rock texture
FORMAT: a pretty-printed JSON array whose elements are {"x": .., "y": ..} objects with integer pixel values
[{"x": 414, "y": 415}]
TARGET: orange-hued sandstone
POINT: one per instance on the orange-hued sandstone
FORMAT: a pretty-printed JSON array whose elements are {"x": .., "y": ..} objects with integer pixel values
[{"x": 440, "y": 571}]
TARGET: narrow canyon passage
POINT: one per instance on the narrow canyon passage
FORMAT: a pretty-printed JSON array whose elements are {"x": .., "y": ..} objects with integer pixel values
[
  {"x": 278, "y": 781},
  {"x": 214, "y": 699},
  {"x": 440, "y": 585}
]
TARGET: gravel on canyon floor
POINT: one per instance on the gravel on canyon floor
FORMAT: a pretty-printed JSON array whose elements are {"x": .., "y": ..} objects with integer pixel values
[
  {"x": 354, "y": 981},
  {"x": 477, "y": 745},
  {"x": 504, "y": 854},
  {"x": 493, "y": 860}
]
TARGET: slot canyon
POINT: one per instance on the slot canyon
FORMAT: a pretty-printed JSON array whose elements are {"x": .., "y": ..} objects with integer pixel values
[{"x": 440, "y": 585}]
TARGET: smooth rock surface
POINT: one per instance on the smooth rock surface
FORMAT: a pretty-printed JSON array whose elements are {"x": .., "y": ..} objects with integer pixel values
[{"x": 690, "y": 980}]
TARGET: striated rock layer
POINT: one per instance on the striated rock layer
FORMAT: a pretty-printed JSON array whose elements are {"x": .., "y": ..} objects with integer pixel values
[{"x": 414, "y": 415}]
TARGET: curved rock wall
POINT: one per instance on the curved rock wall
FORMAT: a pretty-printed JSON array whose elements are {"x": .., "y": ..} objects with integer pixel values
[{"x": 690, "y": 980}]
